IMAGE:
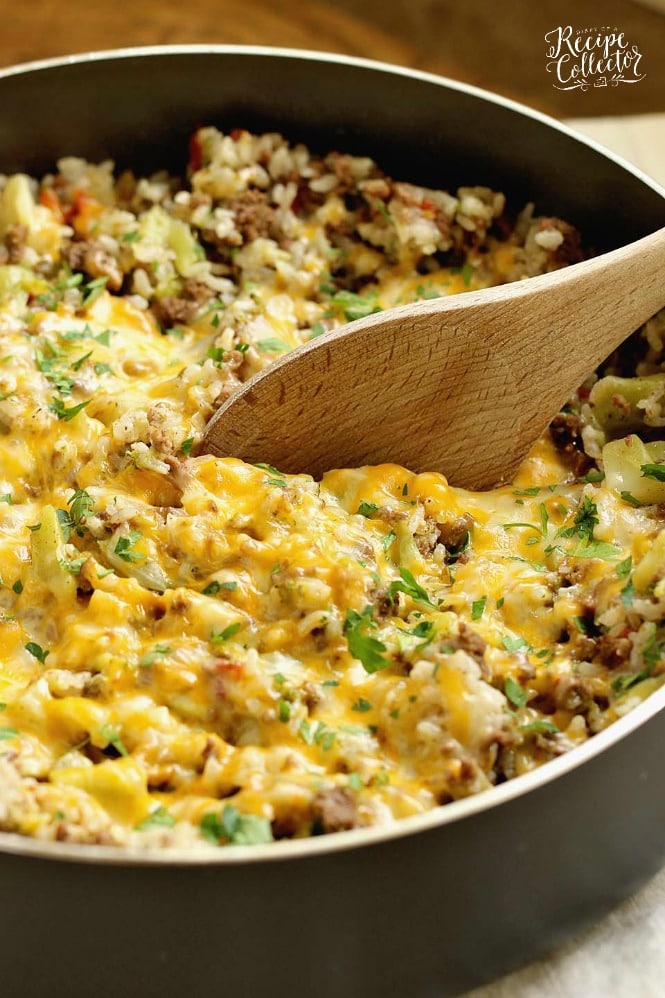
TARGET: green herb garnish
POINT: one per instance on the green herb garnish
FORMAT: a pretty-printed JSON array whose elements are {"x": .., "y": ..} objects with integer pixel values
[
  {"x": 111, "y": 735},
  {"x": 37, "y": 651},
  {"x": 125, "y": 547},
  {"x": 655, "y": 471},
  {"x": 226, "y": 634},
  {"x": 157, "y": 652},
  {"x": 62, "y": 412},
  {"x": 409, "y": 587},
  {"x": 536, "y": 727},
  {"x": 159, "y": 818},
  {"x": 235, "y": 828},
  {"x": 478, "y": 608},
  {"x": 514, "y": 692},
  {"x": 367, "y": 649}
]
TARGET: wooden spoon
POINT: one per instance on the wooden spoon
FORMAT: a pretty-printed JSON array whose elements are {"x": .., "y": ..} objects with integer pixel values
[{"x": 462, "y": 384}]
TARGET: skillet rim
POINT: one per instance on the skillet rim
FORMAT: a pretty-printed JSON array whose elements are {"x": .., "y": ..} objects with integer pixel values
[{"x": 19, "y": 845}]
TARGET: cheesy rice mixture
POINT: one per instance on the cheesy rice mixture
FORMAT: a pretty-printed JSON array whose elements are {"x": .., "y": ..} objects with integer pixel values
[{"x": 197, "y": 652}]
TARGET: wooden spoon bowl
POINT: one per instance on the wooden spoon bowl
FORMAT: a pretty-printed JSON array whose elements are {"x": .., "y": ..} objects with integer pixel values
[{"x": 462, "y": 384}]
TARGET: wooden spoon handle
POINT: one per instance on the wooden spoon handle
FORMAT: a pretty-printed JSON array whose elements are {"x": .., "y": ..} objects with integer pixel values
[{"x": 462, "y": 384}]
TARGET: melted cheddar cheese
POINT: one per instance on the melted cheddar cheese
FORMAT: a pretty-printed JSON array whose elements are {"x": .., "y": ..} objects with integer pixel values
[{"x": 196, "y": 651}]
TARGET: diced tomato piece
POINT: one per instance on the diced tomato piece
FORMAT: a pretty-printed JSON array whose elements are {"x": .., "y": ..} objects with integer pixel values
[
  {"x": 195, "y": 153},
  {"x": 49, "y": 199},
  {"x": 225, "y": 666},
  {"x": 83, "y": 213}
]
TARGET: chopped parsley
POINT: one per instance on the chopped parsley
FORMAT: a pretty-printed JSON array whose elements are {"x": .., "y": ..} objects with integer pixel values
[
  {"x": 214, "y": 587},
  {"x": 409, "y": 587},
  {"x": 361, "y": 705},
  {"x": 427, "y": 293},
  {"x": 584, "y": 523},
  {"x": 283, "y": 710},
  {"x": 125, "y": 547},
  {"x": 93, "y": 290},
  {"x": 630, "y": 498},
  {"x": 157, "y": 652},
  {"x": 655, "y": 471},
  {"x": 77, "y": 364},
  {"x": 273, "y": 345},
  {"x": 624, "y": 568},
  {"x": 80, "y": 505},
  {"x": 367, "y": 649},
  {"x": 186, "y": 446},
  {"x": 216, "y": 354},
  {"x": 37, "y": 651},
  {"x": 7, "y": 733},
  {"x": 513, "y": 644},
  {"x": 104, "y": 337},
  {"x": 320, "y": 735},
  {"x": 111, "y": 735},
  {"x": 527, "y": 492},
  {"x": 62, "y": 412},
  {"x": 387, "y": 541},
  {"x": 423, "y": 629},
  {"x": 595, "y": 549},
  {"x": 628, "y": 594},
  {"x": 354, "y": 306},
  {"x": 159, "y": 818},
  {"x": 651, "y": 656},
  {"x": 539, "y": 727},
  {"x": 74, "y": 566},
  {"x": 226, "y": 634},
  {"x": 478, "y": 608},
  {"x": 367, "y": 508},
  {"x": 514, "y": 692},
  {"x": 235, "y": 828}
]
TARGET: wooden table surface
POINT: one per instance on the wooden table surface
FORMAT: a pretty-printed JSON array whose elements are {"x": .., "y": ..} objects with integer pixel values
[{"x": 498, "y": 46}]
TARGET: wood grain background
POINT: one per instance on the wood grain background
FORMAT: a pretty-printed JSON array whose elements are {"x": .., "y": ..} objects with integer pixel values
[{"x": 499, "y": 45}]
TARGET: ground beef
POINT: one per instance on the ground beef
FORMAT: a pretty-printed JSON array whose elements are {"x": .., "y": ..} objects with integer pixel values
[
  {"x": 100, "y": 263},
  {"x": 74, "y": 255},
  {"x": 335, "y": 809},
  {"x": 566, "y": 432},
  {"x": 179, "y": 310},
  {"x": 172, "y": 311},
  {"x": 469, "y": 641},
  {"x": 253, "y": 215},
  {"x": 570, "y": 250},
  {"x": 573, "y": 693},
  {"x": 93, "y": 259},
  {"x": 582, "y": 647},
  {"x": 453, "y": 533},
  {"x": 15, "y": 241},
  {"x": 613, "y": 651},
  {"x": 379, "y": 187}
]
